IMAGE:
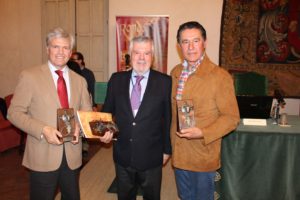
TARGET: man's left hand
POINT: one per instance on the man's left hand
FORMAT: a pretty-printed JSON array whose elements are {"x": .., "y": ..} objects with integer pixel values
[
  {"x": 190, "y": 133},
  {"x": 107, "y": 137}
]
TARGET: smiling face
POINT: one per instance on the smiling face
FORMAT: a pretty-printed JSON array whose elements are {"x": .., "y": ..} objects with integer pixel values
[
  {"x": 192, "y": 45},
  {"x": 59, "y": 52},
  {"x": 141, "y": 56}
]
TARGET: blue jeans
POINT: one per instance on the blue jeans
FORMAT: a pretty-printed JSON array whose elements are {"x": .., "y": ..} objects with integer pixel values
[{"x": 195, "y": 185}]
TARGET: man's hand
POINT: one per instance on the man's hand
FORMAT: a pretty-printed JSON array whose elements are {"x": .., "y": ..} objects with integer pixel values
[
  {"x": 76, "y": 134},
  {"x": 107, "y": 137},
  {"x": 52, "y": 135},
  {"x": 190, "y": 133},
  {"x": 166, "y": 159}
]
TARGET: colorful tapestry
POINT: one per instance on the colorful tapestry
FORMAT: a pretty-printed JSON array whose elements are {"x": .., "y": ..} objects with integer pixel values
[
  {"x": 279, "y": 32},
  {"x": 260, "y": 33},
  {"x": 263, "y": 36}
]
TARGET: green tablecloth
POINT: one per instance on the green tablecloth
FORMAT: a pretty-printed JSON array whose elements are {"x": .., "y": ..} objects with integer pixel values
[{"x": 261, "y": 163}]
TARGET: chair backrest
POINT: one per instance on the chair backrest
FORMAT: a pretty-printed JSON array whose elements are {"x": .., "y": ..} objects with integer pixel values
[
  {"x": 1, "y": 116},
  {"x": 250, "y": 83},
  {"x": 100, "y": 92},
  {"x": 3, "y": 108},
  {"x": 8, "y": 99}
]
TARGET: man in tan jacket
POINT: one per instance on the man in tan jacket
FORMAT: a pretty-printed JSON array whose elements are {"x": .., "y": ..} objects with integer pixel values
[
  {"x": 34, "y": 110},
  {"x": 196, "y": 149}
]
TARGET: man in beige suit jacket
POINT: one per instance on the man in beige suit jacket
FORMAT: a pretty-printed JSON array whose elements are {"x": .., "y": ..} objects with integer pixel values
[{"x": 34, "y": 110}]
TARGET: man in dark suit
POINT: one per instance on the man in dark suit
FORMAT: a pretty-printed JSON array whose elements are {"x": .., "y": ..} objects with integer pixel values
[
  {"x": 41, "y": 90},
  {"x": 143, "y": 142}
]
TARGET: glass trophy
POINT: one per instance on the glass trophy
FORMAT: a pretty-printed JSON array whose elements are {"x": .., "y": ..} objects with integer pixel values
[
  {"x": 186, "y": 117},
  {"x": 66, "y": 124}
]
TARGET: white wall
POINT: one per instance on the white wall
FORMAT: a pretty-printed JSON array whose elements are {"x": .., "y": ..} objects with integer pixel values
[
  {"x": 207, "y": 12},
  {"x": 20, "y": 40},
  {"x": 21, "y": 36}
]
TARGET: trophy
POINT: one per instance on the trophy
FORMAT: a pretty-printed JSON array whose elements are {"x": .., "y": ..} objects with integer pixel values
[
  {"x": 185, "y": 114},
  {"x": 99, "y": 127},
  {"x": 95, "y": 124},
  {"x": 66, "y": 124}
]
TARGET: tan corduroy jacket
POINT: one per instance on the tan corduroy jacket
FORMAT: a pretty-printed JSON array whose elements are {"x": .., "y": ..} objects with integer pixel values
[{"x": 216, "y": 114}]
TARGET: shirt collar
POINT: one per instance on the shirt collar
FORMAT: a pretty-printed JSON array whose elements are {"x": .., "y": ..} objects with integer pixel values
[
  {"x": 185, "y": 63},
  {"x": 53, "y": 68},
  {"x": 145, "y": 75}
]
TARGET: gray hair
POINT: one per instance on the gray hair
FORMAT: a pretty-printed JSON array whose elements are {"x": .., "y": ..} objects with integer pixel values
[
  {"x": 59, "y": 33},
  {"x": 141, "y": 39}
]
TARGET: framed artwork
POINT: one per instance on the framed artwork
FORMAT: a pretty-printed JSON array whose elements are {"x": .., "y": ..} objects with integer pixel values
[{"x": 156, "y": 27}]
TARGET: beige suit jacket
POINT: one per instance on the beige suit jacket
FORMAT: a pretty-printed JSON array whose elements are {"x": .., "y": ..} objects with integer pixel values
[{"x": 34, "y": 105}]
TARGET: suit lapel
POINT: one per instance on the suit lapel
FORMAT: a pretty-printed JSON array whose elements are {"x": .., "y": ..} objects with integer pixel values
[
  {"x": 73, "y": 89},
  {"x": 49, "y": 83},
  {"x": 147, "y": 94},
  {"x": 126, "y": 87}
]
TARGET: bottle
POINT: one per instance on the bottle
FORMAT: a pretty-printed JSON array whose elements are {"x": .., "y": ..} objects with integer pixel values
[{"x": 275, "y": 113}]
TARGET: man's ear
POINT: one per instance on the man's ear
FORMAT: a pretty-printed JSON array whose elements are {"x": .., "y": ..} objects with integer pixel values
[{"x": 205, "y": 43}]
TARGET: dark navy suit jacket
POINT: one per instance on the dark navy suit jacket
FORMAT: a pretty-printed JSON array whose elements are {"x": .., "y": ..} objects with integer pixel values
[{"x": 142, "y": 139}]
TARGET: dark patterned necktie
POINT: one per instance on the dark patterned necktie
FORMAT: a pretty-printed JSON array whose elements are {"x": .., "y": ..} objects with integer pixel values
[
  {"x": 135, "y": 98},
  {"x": 62, "y": 90}
]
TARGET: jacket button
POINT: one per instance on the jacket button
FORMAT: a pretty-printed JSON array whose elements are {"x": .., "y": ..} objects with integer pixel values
[
  {"x": 133, "y": 123},
  {"x": 130, "y": 139}
]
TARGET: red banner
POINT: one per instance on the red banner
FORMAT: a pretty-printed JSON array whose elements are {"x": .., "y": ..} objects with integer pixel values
[{"x": 155, "y": 27}]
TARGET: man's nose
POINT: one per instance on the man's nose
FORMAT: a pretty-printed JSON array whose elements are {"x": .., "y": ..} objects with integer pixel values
[
  {"x": 191, "y": 45},
  {"x": 60, "y": 50},
  {"x": 142, "y": 56}
]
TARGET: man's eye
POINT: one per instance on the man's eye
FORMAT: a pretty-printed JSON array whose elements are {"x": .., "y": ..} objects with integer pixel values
[
  {"x": 197, "y": 41},
  {"x": 66, "y": 48}
]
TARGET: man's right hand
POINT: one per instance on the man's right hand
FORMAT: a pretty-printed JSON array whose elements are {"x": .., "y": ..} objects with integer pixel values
[
  {"x": 107, "y": 137},
  {"x": 52, "y": 135}
]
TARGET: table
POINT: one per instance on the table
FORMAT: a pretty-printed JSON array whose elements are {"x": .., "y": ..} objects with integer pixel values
[{"x": 261, "y": 163}]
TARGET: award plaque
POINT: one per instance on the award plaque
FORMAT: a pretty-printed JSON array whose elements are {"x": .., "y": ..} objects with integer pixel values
[
  {"x": 66, "y": 124},
  {"x": 95, "y": 124},
  {"x": 185, "y": 114},
  {"x": 99, "y": 127}
]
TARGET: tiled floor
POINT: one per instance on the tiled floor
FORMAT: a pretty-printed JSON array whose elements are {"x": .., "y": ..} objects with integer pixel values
[{"x": 14, "y": 178}]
